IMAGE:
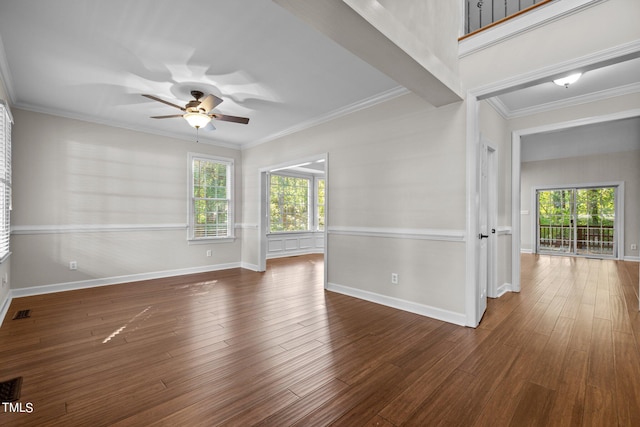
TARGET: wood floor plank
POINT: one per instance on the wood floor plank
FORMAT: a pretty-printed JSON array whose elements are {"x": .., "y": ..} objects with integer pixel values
[
  {"x": 600, "y": 407},
  {"x": 534, "y": 406},
  {"x": 627, "y": 370},
  {"x": 601, "y": 372},
  {"x": 502, "y": 404},
  {"x": 305, "y": 405},
  {"x": 237, "y": 347},
  {"x": 583, "y": 328},
  {"x": 568, "y": 406},
  {"x": 548, "y": 367}
]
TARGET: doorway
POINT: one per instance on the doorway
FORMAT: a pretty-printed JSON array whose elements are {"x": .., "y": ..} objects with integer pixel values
[
  {"x": 577, "y": 221},
  {"x": 293, "y": 173}
]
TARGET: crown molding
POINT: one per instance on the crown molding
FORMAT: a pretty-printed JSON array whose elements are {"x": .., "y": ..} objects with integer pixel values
[
  {"x": 352, "y": 108},
  {"x": 602, "y": 58},
  {"x": 507, "y": 113},
  {"x": 89, "y": 119},
  {"x": 499, "y": 107}
]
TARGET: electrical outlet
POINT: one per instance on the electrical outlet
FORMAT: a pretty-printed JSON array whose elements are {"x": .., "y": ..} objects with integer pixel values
[
  {"x": 209, "y": 252},
  {"x": 73, "y": 265},
  {"x": 634, "y": 247},
  {"x": 394, "y": 278},
  {"x": 5, "y": 279}
]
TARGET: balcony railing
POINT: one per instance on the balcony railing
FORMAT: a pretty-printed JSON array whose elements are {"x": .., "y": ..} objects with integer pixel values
[
  {"x": 587, "y": 240},
  {"x": 481, "y": 14}
]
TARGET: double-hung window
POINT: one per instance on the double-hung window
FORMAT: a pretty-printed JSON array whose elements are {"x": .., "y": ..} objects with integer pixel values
[
  {"x": 5, "y": 180},
  {"x": 211, "y": 198}
]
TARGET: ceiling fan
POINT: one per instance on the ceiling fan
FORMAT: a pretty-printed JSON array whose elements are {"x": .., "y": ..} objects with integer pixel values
[{"x": 198, "y": 113}]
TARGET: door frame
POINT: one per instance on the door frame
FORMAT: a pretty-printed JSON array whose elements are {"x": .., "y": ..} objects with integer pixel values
[
  {"x": 474, "y": 96},
  {"x": 492, "y": 251},
  {"x": 263, "y": 212}
]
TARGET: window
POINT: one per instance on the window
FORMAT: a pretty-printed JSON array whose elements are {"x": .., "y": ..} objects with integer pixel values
[
  {"x": 577, "y": 221},
  {"x": 296, "y": 203},
  {"x": 5, "y": 180},
  {"x": 211, "y": 194},
  {"x": 289, "y": 208}
]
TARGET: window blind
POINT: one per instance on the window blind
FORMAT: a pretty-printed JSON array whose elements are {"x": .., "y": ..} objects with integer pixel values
[{"x": 5, "y": 180}]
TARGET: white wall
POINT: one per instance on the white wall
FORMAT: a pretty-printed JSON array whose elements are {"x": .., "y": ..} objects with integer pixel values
[
  {"x": 75, "y": 181},
  {"x": 393, "y": 167},
  {"x": 598, "y": 168},
  {"x": 434, "y": 23},
  {"x": 609, "y": 23}
]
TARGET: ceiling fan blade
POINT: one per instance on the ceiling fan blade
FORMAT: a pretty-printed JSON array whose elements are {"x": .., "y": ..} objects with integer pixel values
[
  {"x": 166, "y": 117},
  {"x": 234, "y": 119},
  {"x": 210, "y": 102},
  {"x": 155, "y": 98}
]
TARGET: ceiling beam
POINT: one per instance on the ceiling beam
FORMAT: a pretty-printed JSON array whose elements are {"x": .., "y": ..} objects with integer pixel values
[{"x": 371, "y": 32}]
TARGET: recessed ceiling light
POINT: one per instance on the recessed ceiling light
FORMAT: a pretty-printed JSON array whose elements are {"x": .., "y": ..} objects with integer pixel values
[{"x": 566, "y": 81}]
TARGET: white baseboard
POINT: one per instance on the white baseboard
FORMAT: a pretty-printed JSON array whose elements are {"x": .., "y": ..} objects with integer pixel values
[
  {"x": 526, "y": 251},
  {"x": 83, "y": 284},
  {"x": 506, "y": 287},
  {"x": 4, "y": 307},
  {"x": 247, "y": 266},
  {"x": 632, "y": 258},
  {"x": 400, "y": 304}
]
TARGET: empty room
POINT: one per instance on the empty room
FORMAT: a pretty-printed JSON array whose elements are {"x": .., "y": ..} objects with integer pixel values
[{"x": 293, "y": 212}]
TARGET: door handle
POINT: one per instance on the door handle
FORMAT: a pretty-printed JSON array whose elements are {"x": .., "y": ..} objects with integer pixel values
[{"x": 483, "y": 236}]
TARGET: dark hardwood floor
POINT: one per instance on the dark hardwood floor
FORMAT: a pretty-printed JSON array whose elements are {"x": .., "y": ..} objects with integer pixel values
[{"x": 241, "y": 348}]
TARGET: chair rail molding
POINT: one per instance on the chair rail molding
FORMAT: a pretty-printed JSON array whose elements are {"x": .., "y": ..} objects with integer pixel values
[{"x": 401, "y": 233}]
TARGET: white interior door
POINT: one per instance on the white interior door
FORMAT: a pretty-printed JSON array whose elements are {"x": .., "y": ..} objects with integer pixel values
[{"x": 483, "y": 230}]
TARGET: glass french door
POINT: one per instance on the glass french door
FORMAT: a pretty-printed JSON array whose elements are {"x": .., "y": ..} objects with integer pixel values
[{"x": 577, "y": 221}]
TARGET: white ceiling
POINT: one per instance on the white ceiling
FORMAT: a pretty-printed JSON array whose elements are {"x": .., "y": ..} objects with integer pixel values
[
  {"x": 92, "y": 60},
  {"x": 599, "y": 83}
]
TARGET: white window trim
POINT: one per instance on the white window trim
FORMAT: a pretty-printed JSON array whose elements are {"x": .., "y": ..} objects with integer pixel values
[{"x": 190, "y": 212}]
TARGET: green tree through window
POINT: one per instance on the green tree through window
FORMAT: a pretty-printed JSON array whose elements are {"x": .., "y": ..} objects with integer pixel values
[
  {"x": 289, "y": 203},
  {"x": 320, "y": 203},
  {"x": 211, "y": 198}
]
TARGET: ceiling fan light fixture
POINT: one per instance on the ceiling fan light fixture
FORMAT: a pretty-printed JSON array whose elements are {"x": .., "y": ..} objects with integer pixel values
[
  {"x": 197, "y": 120},
  {"x": 568, "y": 80}
]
